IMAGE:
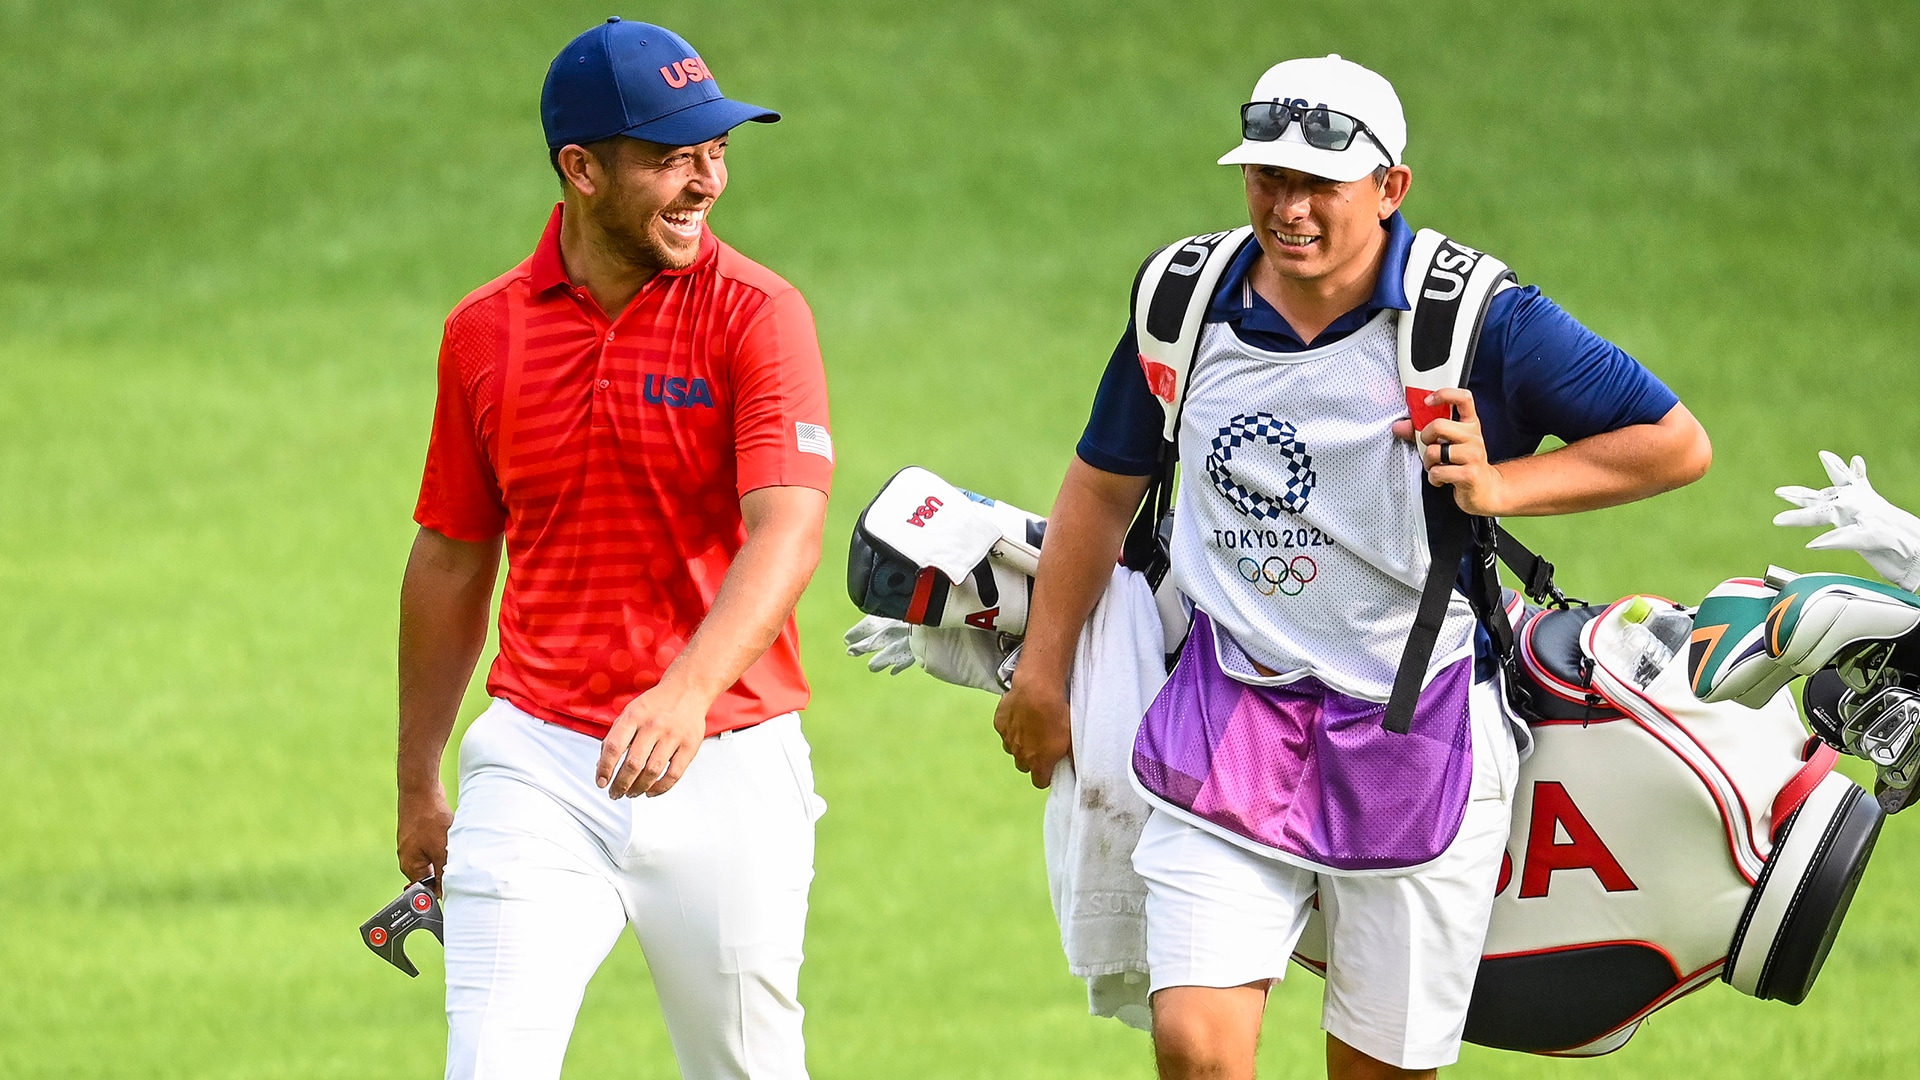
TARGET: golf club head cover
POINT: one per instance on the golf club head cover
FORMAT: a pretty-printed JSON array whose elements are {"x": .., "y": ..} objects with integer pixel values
[
  {"x": 1751, "y": 639},
  {"x": 930, "y": 523},
  {"x": 1727, "y": 658},
  {"x": 1818, "y": 615},
  {"x": 1820, "y": 701},
  {"x": 415, "y": 909},
  {"x": 902, "y": 570}
]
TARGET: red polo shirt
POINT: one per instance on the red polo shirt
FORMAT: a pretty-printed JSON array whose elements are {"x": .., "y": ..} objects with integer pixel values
[{"x": 613, "y": 455}]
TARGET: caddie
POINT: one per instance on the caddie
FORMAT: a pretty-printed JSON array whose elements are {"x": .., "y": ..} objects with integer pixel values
[
  {"x": 639, "y": 412},
  {"x": 1300, "y": 538}
]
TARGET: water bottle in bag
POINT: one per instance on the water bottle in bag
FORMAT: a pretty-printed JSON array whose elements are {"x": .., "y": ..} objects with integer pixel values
[{"x": 1653, "y": 639}]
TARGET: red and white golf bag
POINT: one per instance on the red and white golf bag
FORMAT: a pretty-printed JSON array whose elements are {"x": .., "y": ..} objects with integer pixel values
[{"x": 1659, "y": 843}]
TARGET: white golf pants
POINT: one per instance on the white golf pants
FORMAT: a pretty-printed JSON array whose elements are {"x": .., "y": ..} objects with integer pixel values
[{"x": 544, "y": 870}]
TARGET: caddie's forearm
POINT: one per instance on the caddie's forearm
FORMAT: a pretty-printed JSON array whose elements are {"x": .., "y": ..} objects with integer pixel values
[
  {"x": 1608, "y": 469},
  {"x": 757, "y": 595},
  {"x": 1085, "y": 531},
  {"x": 445, "y": 597}
]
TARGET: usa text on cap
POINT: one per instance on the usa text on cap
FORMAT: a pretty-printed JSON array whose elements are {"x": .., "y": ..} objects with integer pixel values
[{"x": 640, "y": 80}]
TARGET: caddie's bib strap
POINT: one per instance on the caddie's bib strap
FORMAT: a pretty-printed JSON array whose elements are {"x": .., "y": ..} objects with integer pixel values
[
  {"x": 1449, "y": 286},
  {"x": 1449, "y": 534},
  {"x": 1169, "y": 315}
]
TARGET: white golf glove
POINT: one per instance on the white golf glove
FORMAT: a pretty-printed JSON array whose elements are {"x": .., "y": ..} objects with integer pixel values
[
  {"x": 964, "y": 656},
  {"x": 1885, "y": 535},
  {"x": 886, "y": 639}
]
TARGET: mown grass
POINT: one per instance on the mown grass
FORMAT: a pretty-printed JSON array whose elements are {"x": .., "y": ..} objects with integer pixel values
[{"x": 228, "y": 232}]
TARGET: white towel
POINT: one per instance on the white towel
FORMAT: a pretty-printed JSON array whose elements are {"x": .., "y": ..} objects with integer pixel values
[{"x": 1093, "y": 817}]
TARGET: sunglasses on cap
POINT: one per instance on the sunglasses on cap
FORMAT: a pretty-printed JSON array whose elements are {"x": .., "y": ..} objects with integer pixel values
[{"x": 1322, "y": 128}]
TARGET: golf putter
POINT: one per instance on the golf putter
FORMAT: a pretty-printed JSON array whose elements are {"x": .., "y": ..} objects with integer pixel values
[{"x": 415, "y": 909}]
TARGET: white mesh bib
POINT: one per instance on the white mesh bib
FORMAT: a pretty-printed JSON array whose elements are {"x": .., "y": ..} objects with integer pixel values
[{"x": 1300, "y": 529}]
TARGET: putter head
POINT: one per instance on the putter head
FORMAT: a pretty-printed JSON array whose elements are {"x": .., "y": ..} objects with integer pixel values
[{"x": 415, "y": 909}]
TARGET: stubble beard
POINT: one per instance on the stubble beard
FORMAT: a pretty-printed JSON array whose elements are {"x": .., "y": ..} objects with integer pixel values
[{"x": 626, "y": 234}]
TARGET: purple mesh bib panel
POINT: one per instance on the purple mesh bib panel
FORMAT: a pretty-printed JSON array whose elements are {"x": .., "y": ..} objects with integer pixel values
[{"x": 1304, "y": 771}]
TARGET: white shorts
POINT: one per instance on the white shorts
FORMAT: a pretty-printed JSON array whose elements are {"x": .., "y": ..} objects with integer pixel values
[
  {"x": 1403, "y": 949},
  {"x": 544, "y": 871}
]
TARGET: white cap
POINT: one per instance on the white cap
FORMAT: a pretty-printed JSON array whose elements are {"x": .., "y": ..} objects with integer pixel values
[{"x": 1340, "y": 85}]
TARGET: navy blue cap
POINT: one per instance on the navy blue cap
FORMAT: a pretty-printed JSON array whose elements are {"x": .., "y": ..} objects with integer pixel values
[{"x": 637, "y": 79}]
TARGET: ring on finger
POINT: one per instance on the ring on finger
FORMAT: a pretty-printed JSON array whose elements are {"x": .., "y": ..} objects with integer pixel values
[{"x": 1446, "y": 457}]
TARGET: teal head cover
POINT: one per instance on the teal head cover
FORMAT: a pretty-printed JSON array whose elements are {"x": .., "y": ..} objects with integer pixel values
[{"x": 1750, "y": 639}]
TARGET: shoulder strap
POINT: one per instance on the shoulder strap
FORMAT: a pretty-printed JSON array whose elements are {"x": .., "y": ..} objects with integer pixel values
[
  {"x": 1170, "y": 298},
  {"x": 1449, "y": 286},
  {"x": 1169, "y": 309}
]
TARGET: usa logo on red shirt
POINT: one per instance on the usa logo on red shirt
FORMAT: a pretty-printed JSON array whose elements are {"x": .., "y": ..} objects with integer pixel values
[{"x": 676, "y": 393}]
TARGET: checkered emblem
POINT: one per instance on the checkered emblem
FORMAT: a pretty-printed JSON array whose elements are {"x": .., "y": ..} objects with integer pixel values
[{"x": 1257, "y": 429}]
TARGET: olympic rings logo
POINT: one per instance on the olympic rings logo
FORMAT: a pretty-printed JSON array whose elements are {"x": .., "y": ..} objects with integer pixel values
[{"x": 1278, "y": 574}]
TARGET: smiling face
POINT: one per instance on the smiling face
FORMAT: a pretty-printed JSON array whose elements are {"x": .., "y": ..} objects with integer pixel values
[
  {"x": 1312, "y": 229},
  {"x": 649, "y": 201}
]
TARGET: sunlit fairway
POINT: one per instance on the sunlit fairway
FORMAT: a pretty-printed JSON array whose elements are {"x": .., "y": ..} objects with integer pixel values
[{"x": 229, "y": 233}]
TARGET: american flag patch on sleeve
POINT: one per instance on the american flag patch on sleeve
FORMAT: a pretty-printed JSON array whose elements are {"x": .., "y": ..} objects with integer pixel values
[{"x": 813, "y": 439}]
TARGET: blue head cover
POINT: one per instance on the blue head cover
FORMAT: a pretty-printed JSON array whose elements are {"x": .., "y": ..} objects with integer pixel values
[{"x": 640, "y": 80}]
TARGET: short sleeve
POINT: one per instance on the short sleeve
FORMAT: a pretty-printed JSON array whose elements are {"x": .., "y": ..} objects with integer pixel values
[
  {"x": 1123, "y": 431},
  {"x": 1556, "y": 377},
  {"x": 780, "y": 430},
  {"x": 459, "y": 495}
]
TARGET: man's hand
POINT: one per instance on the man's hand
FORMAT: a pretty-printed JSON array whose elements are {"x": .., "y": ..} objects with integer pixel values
[
  {"x": 1084, "y": 534},
  {"x": 1036, "y": 728},
  {"x": 421, "y": 840},
  {"x": 1455, "y": 453},
  {"x": 658, "y": 733}
]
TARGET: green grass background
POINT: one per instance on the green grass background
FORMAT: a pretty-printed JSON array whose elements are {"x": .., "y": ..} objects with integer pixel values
[{"x": 229, "y": 232}]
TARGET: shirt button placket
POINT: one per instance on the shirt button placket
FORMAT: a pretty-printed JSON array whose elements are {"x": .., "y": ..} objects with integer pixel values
[{"x": 602, "y": 407}]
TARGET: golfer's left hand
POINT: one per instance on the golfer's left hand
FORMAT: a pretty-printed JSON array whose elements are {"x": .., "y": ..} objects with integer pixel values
[
  {"x": 657, "y": 733},
  {"x": 1455, "y": 454}
]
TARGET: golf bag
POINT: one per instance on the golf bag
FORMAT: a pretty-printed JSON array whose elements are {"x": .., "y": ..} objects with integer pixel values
[{"x": 1658, "y": 843}]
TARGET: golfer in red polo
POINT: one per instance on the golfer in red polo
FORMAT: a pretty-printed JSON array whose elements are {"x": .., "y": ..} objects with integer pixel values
[{"x": 640, "y": 413}]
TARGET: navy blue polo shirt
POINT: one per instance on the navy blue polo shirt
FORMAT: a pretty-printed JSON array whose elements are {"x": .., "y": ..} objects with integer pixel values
[{"x": 1538, "y": 372}]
